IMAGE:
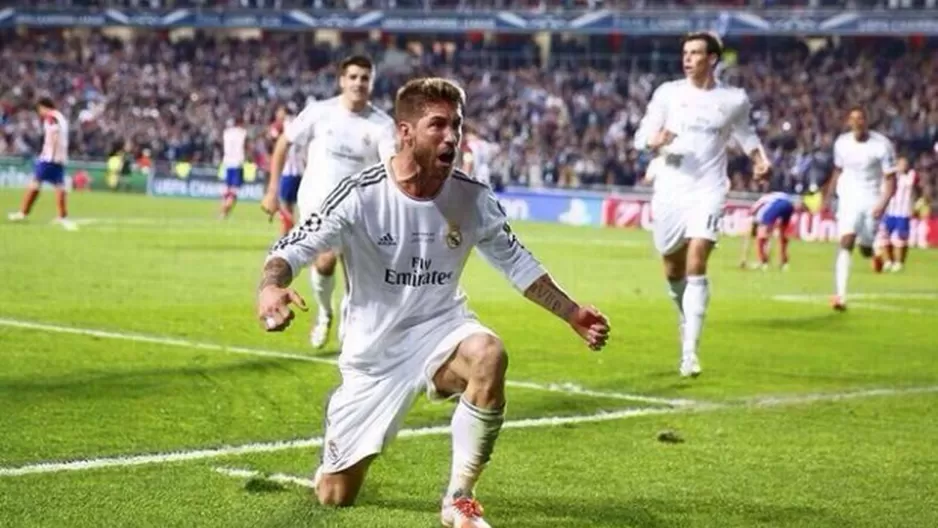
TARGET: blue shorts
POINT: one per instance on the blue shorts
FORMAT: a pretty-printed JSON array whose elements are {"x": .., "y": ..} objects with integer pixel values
[
  {"x": 289, "y": 185},
  {"x": 53, "y": 173},
  {"x": 234, "y": 177},
  {"x": 897, "y": 226},
  {"x": 775, "y": 212}
]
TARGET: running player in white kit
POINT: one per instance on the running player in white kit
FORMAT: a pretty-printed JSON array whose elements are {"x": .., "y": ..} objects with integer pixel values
[
  {"x": 688, "y": 126},
  {"x": 234, "y": 149},
  {"x": 896, "y": 227},
  {"x": 865, "y": 180},
  {"x": 342, "y": 135},
  {"x": 406, "y": 228},
  {"x": 50, "y": 164}
]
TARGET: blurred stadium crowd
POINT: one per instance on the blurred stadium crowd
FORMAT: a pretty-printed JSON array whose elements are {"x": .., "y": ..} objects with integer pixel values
[
  {"x": 535, "y": 5},
  {"x": 562, "y": 118}
]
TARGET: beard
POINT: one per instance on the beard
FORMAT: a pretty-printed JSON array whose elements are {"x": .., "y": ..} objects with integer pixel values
[{"x": 428, "y": 160}]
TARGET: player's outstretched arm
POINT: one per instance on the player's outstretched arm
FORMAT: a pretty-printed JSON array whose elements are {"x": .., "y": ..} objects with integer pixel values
[
  {"x": 500, "y": 247},
  {"x": 274, "y": 296},
  {"x": 320, "y": 231},
  {"x": 586, "y": 321},
  {"x": 278, "y": 158},
  {"x": 745, "y": 135}
]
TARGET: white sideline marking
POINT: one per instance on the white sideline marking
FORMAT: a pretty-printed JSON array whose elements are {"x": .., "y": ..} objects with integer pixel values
[
  {"x": 818, "y": 299},
  {"x": 274, "y": 477},
  {"x": 267, "y": 447},
  {"x": 565, "y": 388}
]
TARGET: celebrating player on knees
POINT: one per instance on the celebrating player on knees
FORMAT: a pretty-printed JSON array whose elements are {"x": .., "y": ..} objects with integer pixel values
[
  {"x": 406, "y": 228},
  {"x": 342, "y": 136},
  {"x": 687, "y": 126}
]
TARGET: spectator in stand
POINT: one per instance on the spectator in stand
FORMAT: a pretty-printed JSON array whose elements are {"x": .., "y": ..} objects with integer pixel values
[{"x": 566, "y": 119}]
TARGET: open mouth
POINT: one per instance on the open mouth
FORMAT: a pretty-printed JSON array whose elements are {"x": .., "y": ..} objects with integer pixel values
[{"x": 447, "y": 157}]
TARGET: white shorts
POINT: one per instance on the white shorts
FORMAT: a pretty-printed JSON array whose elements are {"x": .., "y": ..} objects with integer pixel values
[
  {"x": 366, "y": 411},
  {"x": 679, "y": 217},
  {"x": 857, "y": 220}
]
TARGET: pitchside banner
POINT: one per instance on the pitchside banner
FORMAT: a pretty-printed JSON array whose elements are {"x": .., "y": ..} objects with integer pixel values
[
  {"x": 18, "y": 171},
  {"x": 634, "y": 211}
]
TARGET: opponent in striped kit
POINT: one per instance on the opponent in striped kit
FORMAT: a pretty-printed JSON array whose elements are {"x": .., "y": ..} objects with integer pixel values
[
  {"x": 50, "y": 164},
  {"x": 771, "y": 211},
  {"x": 893, "y": 236}
]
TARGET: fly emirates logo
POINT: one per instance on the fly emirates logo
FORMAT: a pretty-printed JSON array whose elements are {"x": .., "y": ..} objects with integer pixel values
[{"x": 421, "y": 274}]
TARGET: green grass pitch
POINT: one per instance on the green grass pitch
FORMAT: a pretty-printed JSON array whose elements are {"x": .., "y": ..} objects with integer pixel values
[{"x": 135, "y": 336}]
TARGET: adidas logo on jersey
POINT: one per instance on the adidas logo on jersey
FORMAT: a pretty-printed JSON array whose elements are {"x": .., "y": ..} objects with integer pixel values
[{"x": 387, "y": 239}]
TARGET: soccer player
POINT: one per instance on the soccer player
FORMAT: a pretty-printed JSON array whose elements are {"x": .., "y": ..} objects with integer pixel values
[
  {"x": 406, "y": 228},
  {"x": 894, "y": 231},
  {"x": 50, "y": 165},
  {"x": 770, "y": 212},
  {"x": 478, "y": 155},
  {"x": 688, "y": 126},
  {"x": 864, "y": 179},
  {"x": 342, "y": 136},
  {"x": 234, "y": 148},
  {"x": 292, "y": 172}
]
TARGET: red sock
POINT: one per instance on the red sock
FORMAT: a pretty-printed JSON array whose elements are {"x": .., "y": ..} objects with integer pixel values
[
  {"x": 760, "y": 245},
  {"x": 286, "y": 221},
  {"x": 28, "y": 200},
  {"x": 783, "y": 244},
  {"x": 60, "y": 202}
]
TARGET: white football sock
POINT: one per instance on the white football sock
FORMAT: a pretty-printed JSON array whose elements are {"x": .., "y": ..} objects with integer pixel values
[
  {"x": 696, "y": 298},
  {"x": 842, "y": 272},
  {"x": 323, "y": 286},
  {"x": 676, "y": 291},
  {"x": 474, "y": 433}
]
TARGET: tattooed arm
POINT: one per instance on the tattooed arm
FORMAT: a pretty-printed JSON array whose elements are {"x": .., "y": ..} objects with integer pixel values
[
  {"x": 547, "y": 294},
  {"x": 501, "y": 248},
  {"x": 277, "y": 272},
  {"x": 318, "y": 232}
]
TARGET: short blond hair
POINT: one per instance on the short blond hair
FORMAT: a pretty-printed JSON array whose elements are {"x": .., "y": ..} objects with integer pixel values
[{"x": 413, "y": 98}]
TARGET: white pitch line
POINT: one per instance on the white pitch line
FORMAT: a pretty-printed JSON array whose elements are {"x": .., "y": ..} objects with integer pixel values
[
  {"x": 282, "y": 478},
  {"x": 564, "y": 388},
  {"x": 818, "y": 299},
  {"x": 267, "y": 447}
]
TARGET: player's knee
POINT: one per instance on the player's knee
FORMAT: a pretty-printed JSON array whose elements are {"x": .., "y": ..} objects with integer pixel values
[{"x": 488, "y": 359}]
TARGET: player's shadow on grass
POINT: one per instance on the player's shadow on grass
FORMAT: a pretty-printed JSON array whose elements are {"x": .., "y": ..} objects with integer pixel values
[
  {"x": 808, "y": 323},
  {"x": 621, "y": 512},
  {"x": 103, "y": 384}
]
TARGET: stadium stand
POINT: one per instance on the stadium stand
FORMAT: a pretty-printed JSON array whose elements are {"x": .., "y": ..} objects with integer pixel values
[{"x": 565, "y": 117}]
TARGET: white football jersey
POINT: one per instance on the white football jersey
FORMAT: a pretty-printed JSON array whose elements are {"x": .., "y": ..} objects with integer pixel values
[
  {"x": 293, "y": 165},
  {"x": 483, "y": 155},
  {"x": 863, "y": 164},
  {"x": 704, "y": 122},
  {"x": 404, "y": 258},
  {"x": 233, "y": 146},
  {"x": 339, "y": 142}
]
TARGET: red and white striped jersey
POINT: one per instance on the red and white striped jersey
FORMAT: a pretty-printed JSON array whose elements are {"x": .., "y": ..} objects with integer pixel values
[
  {"x": 55, "y": 138},
  {"x": 902, "y": 203}
]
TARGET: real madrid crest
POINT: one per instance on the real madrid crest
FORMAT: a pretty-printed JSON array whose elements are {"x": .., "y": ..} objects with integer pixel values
[
  {"x": 367, "y": 140},
  {"x": 453, "y": 237}
]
